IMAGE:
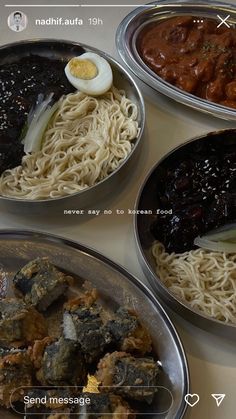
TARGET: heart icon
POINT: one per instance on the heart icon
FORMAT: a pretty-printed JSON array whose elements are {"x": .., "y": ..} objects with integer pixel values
[{"x": 192, "y": 399}]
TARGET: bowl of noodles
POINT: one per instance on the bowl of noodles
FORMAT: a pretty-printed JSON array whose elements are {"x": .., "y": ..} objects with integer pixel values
[
  {"x": 185, "y": 231},
  {"x": 71, "y": 122}
]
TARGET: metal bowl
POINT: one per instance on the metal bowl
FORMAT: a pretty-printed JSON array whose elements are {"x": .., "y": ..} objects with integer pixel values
[
  {"x": 65, "y": 50},
  {"x": 146, "y": 200},
  {"x": 118, "y": 287},
  {"x": 134, "y": 22}
]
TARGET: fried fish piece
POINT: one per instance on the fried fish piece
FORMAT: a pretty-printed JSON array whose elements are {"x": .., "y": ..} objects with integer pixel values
[
  {"x": 16, "y": 371},
  {"x": 133, "y": 378},
  {"x": 120, "y": 408},
  {"x": 61, "y": 364},
  {"x": 20, "y": 324},
  {"x": 40, "y": 283},
  {"x": 105, "y": 406},
  {"x": 128, "y": 333},
  {"x": 37, "y": 351},
  {"x": 101, "y": 406},
  {"x": 65, "y": 415},
  {"x": 46, "y": 401},
  {"x": 83, "y": 323}
]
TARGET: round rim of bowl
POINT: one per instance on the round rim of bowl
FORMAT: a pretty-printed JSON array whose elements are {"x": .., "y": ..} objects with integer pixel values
[
  {"x": 150, "y": 269},
  {"x": 121, "y": 69},
  {"x": 26, "y": 234},
  {"x": 135, "y": 63}
]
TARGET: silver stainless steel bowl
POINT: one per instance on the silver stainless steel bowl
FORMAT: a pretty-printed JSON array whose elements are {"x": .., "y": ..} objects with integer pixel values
[
  {"x": 116, "y": 287},
  {"x": 65, "y": 50},
  {"x": 134, "y": 22},
  {"x": 146, "y": 200}
]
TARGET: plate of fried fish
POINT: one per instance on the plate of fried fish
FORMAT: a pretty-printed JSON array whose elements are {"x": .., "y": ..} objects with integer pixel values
[{"x": 81, "y": 336}]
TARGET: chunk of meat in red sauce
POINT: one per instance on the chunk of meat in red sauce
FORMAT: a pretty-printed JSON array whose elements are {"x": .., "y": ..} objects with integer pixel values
[
  {"x": 187, "y": 83},
  {"x": 223, "y": 63},
  {"x": 177, "y": 35},
  {"x": 196, "y": 57},
  {"x": 204, "y": 70},
  {"x": 193, "y": 42},
  {"x": 215, "y": 90},
  {"x": 231, "y": 90}
]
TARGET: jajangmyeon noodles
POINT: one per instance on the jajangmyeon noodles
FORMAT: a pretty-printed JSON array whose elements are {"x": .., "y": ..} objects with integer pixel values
[
  {"x": 86, "y": 140},
  {"x": 205, "y": 280}
]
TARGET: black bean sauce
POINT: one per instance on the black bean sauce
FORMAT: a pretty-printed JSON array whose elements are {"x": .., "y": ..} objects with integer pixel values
[
  {"x": 198, "y": 183},
  {"x": 20, "y": 84}
]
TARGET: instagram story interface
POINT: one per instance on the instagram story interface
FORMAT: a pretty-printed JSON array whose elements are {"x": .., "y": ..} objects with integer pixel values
[{"x": 118, "y": 210}]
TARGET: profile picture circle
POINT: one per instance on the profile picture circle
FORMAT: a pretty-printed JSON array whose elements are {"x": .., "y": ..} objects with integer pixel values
[{"x": 17, "y": 21}]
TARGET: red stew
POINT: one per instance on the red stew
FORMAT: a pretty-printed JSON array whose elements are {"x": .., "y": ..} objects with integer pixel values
[{"x": 196, "y": 57}]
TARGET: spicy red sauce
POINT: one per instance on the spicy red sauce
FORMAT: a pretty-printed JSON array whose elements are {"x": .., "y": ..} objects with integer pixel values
[{"x": 196, "y": 57}]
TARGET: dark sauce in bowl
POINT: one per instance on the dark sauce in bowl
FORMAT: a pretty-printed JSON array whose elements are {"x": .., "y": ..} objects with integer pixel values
[
  {"x": 20, "y": 84},
  {"x": 197, "y": 183}
]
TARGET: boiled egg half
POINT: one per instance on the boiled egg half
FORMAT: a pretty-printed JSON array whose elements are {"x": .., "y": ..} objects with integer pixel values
[{"x": 90, "y": 74}]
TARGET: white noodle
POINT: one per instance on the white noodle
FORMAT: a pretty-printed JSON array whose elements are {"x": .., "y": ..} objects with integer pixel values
[
  {"x": 205, "y": 280},
  {"x": 86, "y": 140}
]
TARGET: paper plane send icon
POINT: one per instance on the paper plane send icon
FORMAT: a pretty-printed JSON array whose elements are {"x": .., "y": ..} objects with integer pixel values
[{"x": 218, "y": 398}]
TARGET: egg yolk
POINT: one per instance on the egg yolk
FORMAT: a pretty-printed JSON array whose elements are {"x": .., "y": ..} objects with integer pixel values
[{"x": 83, "y": 69}]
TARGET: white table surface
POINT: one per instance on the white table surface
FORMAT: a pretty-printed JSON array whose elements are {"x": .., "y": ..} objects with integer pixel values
[{"x": 212, "y": 360}]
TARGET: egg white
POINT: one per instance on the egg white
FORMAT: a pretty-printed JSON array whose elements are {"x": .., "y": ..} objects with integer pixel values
[{"x": 98, "y": 85}]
